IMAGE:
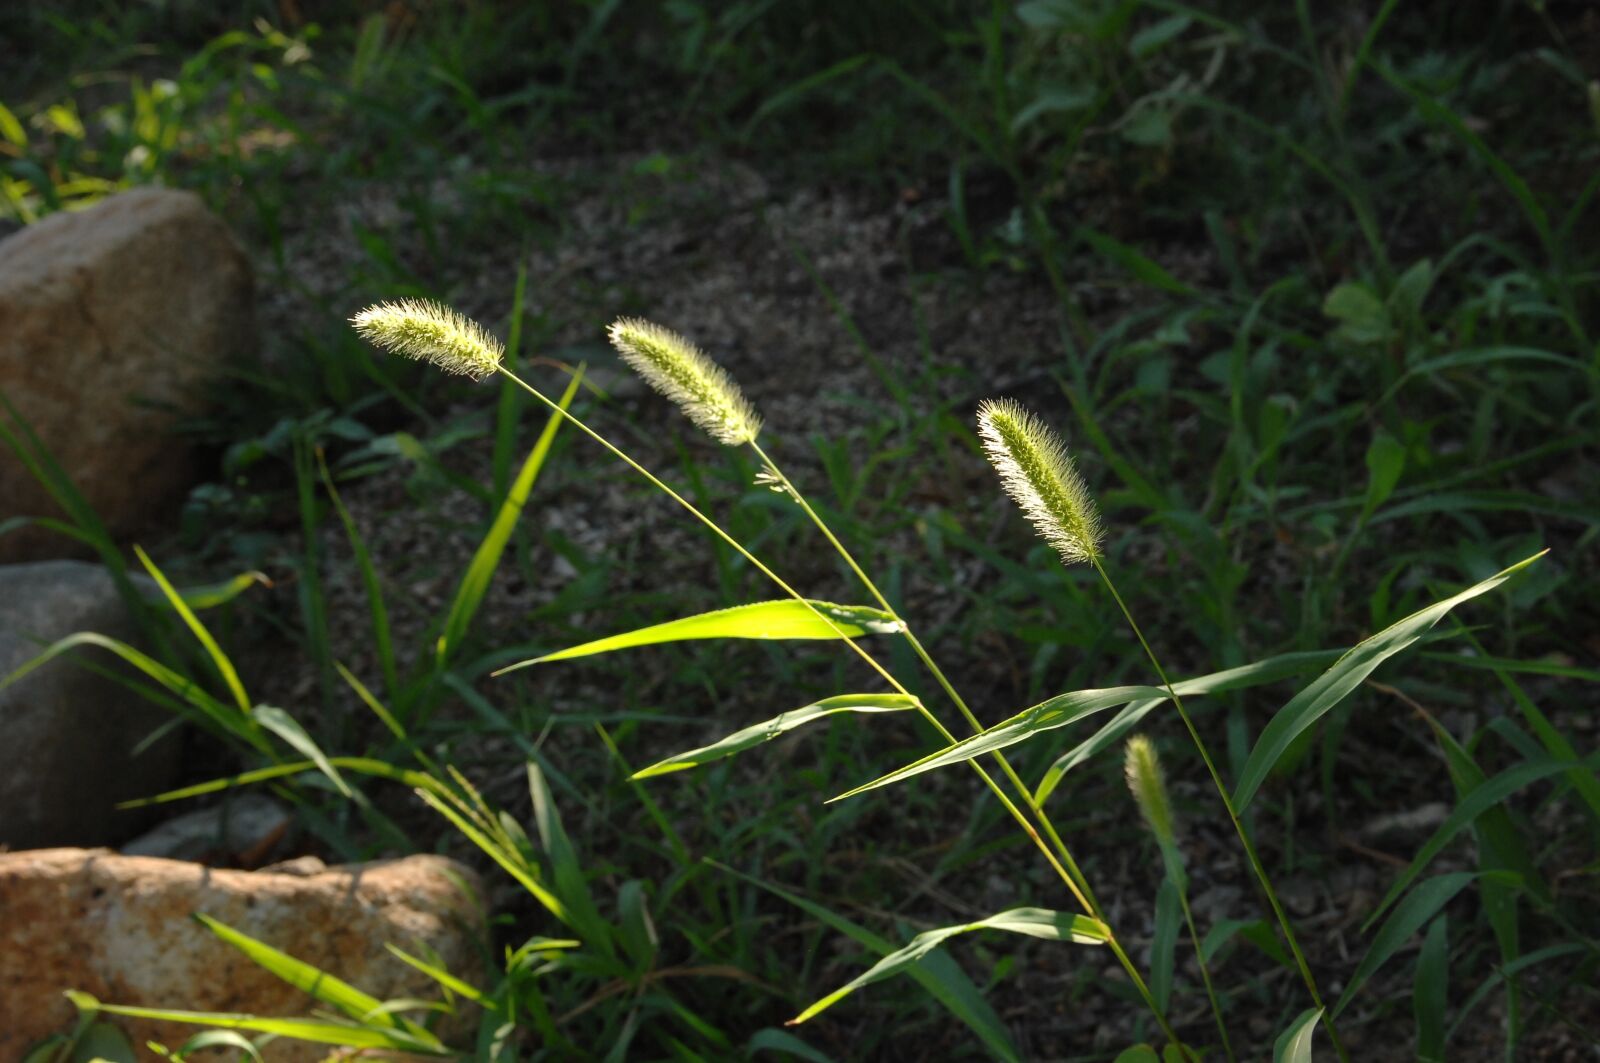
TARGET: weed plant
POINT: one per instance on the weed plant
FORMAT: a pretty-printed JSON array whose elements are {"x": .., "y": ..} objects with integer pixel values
[{"x": 1375, "y": 389}]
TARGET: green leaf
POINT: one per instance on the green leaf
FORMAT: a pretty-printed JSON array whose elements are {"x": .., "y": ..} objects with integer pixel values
[
  {"x": 288, "y": 728},
  {"x": 1429, "y": 998},
  {"x": 1064, "y": 709},
  {"x": 570, "y": 882},
  {"x": 1409, "y": 916},
  {"x": 1294, "y": 1044},
  {"x": 317, "y": 1031},
  {"x": 486, "y": 558},
  {"x": 1034, "y": 922},
  {"x": 1138, "y": 1054},
  {"x": 312, "y": 980},
  {"x": 11, "y": 129},
  {"x": 782, "y": 723},
  {"x": 225, "y": 668},
  {"x": 1361, "y": 314},
  {"x": 788, "y": 619},
  {"x": 218, "y": 1039},
  {"x": 1386, "y": 460},
  {"x": 1334, "y": 685},
  {"x": 940, "y": 975},
  {"x": 1153, "y": 38},
  {"x": 1269, "y": 670},
  {"x": 211, "y": 595},
  {"x": 445, "y": 978},
  {"x": 772, "y": 1040},
  {"x": 1484, "y": 797}
]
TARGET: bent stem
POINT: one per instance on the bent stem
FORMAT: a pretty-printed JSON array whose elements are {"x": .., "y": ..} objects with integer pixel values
[
  {"x": 1085, "y": 893},
  {"x": 1205, "y": 972},
  {"x": 1233, "y": 814},
  {"x": 1067, "y": 877}
]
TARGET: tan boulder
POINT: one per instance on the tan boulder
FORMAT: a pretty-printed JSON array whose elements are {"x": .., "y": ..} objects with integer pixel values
[
  {"x": 112, "y": 320},
  {"x": 119, "y": 928}
]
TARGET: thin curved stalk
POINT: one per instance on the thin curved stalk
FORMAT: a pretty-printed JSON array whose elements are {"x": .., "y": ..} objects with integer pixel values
[
  {"x": 1086, "y": 894},
  {"x": 994, "y": 787},
  {"x": 1233, "y": 814}
]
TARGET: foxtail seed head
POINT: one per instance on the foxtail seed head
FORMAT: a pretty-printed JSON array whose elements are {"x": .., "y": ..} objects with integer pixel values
[
  {"x": 1149, "y": 788},
  {"x": 682, "y": 372},
  {"x": 429, "y": 332},
  {"x": 1037, "y": 472}
]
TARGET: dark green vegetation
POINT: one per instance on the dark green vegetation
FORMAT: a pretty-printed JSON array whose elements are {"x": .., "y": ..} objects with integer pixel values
[{"x": 1311, "y": 293}]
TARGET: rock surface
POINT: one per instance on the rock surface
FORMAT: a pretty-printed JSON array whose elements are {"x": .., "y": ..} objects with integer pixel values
[
  {"x": 118, "y": 928},
  {"x": 243, "y": 831},
  {"x": 112, "y": 319},
  {"x": 70, "y": 733}
]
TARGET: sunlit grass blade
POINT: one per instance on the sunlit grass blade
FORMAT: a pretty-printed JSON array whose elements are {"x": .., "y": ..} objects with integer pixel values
[
  {"x": 566, "y": 870},
  {"x": 787, "y": 619},
  {"x": 211, "y": 595},
  {"x": 445, "y": 978},
  {"x": 288, "y": 728},
  {"x": 329, "y": 989},
  {"x": 1261, "y": 672},
  {"x": 767, "y": 730},
  {"x": 360, "y": 765},
  {"x": 1411, "y": 915},
  {"x": 475, "y": 582},
  {"x": 224, "y": 666},
  {"x": 317, "y": 1031},
  {"x": 1034, "y": 922},
  {"x": 225, "y": 717},
  {"x": 1330, "y": 688},
  {"x": 1064, "y": 709},
  {"x": 1059, "y": 711},
  {"x": 940, "y": 975},
  {"x": 1294, "y": 1044}
]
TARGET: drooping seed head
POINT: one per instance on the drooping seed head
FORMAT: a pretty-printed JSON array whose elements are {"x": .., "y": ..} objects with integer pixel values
[
  {"x": 682, "y": 372},
  {"x": 429, "y": 332},
  {"x": 1037, "y": 472},
  {"x": 1149, "y": 787}
]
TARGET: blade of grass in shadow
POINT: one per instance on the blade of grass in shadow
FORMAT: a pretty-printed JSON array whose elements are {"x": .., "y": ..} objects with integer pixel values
[
  {"x": 767, "y": 730},
  {"x": 382, "y": 643},
  {"x": 940, "y": 975},
  {"x": 475, "y": 583},
  {"x": 1330, "y": 688}
]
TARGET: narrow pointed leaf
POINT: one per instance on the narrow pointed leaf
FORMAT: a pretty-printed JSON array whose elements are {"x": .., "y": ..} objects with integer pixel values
[
  {"x": 788, "y": 619},
  {"x": 1409, "y": 916},
  {"x": 288, "y": 728},
  {"x": 940, "y": 975},
  {"x": 1294, "y": 1044},
  {"x": 317, "y": 1031},
  {"x": 1034, "y": 922},
  {"x": 363, "y": 1007},
  {"x": 1347, "y": 673},
  {"x": 224, "y": 666},
  {"x": 487, "y": 557},
  {"x": 1065, "y": 709},
  {"x": 1048, "y": 715},
  {"x": 782, "y": 723},
  {"x": 1483, "y": 798}
]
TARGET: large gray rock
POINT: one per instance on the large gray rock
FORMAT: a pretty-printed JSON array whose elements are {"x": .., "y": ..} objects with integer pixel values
[
  {"x": 67, "y": 755},
  {"x": 112, "y": 320},
  {"x": 118, "y": 928}
]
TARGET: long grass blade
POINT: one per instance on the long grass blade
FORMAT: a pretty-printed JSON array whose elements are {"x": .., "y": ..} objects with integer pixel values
[
  {"x": 782, "y": 723},
  {"x": 786, "y": 619}
]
